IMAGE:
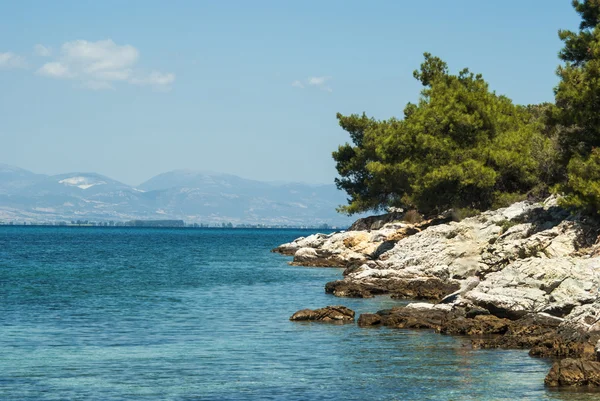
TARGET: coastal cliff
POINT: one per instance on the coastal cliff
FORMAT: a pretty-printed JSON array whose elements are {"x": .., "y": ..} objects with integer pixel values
[{"x": 528, "y": 274}]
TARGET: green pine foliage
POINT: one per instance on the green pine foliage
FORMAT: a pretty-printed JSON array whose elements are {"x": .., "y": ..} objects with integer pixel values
[
  {"x": 578, "y": 108},
  {"x": 463, "y": 147},
  {"x": 583, "y": 182},
  {"x": 460, "y": 146}
]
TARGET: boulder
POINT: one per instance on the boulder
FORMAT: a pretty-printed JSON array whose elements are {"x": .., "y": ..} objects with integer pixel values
[
  {"x": 574, "y": 373},
  {"x": 332, "y": 314},
  {"x": 412, "y": 316},
  {"x": 476, "y": 326},
  {"x": 312, "y": 241},
  {"x": 555, "y": 286},
  {"x": 369, "y": 319}
]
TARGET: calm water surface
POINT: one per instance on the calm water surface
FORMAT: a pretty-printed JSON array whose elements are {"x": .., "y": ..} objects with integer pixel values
[{"x": 156, "y": 314}]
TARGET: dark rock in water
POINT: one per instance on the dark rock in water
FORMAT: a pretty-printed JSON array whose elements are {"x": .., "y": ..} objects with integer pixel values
[
  {"x": 288, "y": 251},
  {"x": 566, "y": 342},
  {"x": 327, "y": 314},
  {"x": 420, "y": 288},
  {"x": 574, "y": 372},
  {"x": 529, "y": 331},
  {"x": 405, "y": 318},
  {"x": 546, "y": 336},
  {"x": 348, "y": 289},
  {"x": 369, "y": 319},
  {"x": 478, "y": 325},
  {"x": 409, "y": 318}
]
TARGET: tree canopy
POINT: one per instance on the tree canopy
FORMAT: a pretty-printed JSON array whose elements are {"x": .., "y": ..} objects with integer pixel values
[
  {"x": 463, "y": 146},
  {"x": 578, "y": 107},
  {"x": 460, "y": 146}
]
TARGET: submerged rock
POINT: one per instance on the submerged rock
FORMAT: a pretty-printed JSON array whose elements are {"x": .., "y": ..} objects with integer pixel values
[{"x": 338, "y": 314}]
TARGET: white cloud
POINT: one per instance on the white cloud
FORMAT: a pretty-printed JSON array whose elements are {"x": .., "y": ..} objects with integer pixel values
[
  {"x": 317, "y": 82},
  {"x": 11, "y": 60},
  {"x": 99, "y": 65},
  {"x": 42, "y": 50},
  {"x": 103, "y": 56},
  {"x": 55, "y": 69},
  {"x": 155, "y": 78}
]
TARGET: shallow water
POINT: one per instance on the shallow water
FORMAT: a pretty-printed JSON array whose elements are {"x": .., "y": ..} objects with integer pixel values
[{"x": 182, "y": 314}]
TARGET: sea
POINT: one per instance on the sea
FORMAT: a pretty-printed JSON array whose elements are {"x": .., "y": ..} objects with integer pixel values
[{"x": 203, "y": 314}]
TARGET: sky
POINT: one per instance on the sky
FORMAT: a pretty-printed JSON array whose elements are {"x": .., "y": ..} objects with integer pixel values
[{"x": 131, "y": 89}]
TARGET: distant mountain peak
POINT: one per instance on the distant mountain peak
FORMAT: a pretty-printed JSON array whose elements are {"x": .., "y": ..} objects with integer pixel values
[
  {"x": 7, "y": 168},
  {"x": 81, "y": 182}
]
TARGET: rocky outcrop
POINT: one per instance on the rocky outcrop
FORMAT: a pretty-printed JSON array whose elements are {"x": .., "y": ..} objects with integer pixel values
[
  {"x": 525, "y": 276},
  {"x": 350, "y": 249},
  {"x": 527, "y": 258},
  {"x": 538, "y": 284},
  {"x": 330, "y": 314}
]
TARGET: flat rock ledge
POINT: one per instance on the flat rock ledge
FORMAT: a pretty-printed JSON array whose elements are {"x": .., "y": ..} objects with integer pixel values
[
  {"x": 423, "y": 288},
  {"x": 329, "y": 314}
]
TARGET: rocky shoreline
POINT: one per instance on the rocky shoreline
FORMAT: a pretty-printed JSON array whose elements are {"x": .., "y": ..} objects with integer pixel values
[{"x": 526, "y": 276}]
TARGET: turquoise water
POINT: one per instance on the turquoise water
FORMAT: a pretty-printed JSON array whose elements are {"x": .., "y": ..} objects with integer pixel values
[{"x": 157, "y": 314}]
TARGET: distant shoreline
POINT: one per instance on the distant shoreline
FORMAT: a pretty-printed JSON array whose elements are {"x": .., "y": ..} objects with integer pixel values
[{"x": 329, "y": 230}]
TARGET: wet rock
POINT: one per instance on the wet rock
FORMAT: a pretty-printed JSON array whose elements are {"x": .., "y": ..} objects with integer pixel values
[
  {"x": 575, "y": 373},
  {"x": 415, "y": 317},
  {"x": 369, "y": 319},
  {"x": 567, "y": 342},
  {"x": 479, "y": 325},
  {"x": 419, "y": 288},
  {"x": 341, "y": 288},
  {"x": 529, "y": 331},
  {"x": 338, "y": 314}
]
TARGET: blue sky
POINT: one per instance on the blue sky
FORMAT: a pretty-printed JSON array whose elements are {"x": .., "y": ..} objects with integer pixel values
[{"x": 130, "y": 89}]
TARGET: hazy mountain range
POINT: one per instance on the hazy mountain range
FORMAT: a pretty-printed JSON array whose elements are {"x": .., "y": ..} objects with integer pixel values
[{"x": 195, "y": 197}]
